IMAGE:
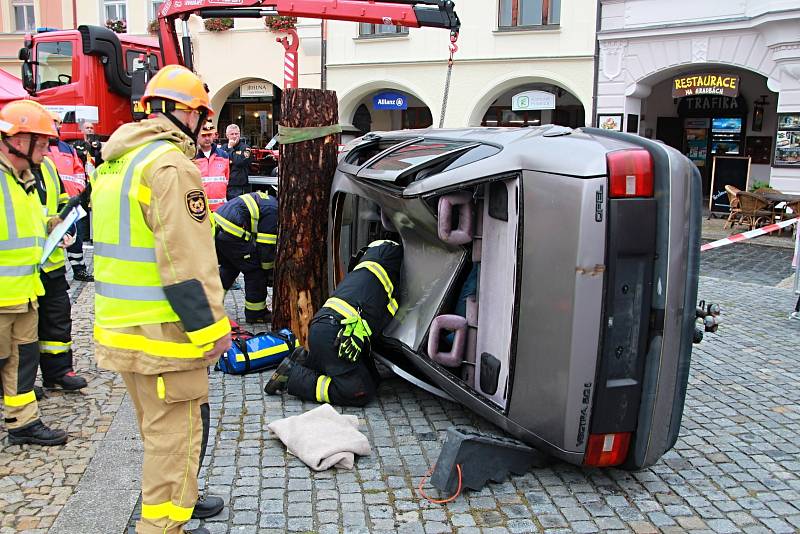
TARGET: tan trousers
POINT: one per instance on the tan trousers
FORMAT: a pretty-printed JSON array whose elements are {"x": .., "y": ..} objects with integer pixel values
[
  {"x": 168, "y": 411},
  {"x": 19, "y": 362}
]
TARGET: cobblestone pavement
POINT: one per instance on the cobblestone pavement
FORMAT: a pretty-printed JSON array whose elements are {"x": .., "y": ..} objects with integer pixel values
[
  {"x": 735, "y": 468},
  {"x": 745, "y": 262},
  {"x": 36, "y": 482}
]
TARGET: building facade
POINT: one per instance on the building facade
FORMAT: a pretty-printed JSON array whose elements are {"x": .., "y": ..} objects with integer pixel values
[
  {"x": 716, "y": 78},
  {"x": 506, "y": 47},
  {"x": 243, "y": 66},
  {"x": 20, "y": 16}
]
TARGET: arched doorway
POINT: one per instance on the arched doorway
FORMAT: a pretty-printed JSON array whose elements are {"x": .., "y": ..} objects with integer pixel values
[
  {"x": 383, "y": 106},
  {"x": 253, "y": 105},
  {"x": 391, "y": 109},
  {"x": 707, "y": 123},
  {"x": 553, "y": 105}
]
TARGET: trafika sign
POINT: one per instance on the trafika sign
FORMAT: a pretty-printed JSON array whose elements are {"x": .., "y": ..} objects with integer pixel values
[
  {"x": 389, "y": 100},
  {"x": 532, "y": 100}
]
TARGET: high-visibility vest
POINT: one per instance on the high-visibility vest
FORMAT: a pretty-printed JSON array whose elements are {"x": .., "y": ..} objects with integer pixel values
[
  {"x": 214, "y": 171},
  {"x": 128, "y": 290},
  {"x": 22, "y": 232},
  {"x": 55, "y": 197}
]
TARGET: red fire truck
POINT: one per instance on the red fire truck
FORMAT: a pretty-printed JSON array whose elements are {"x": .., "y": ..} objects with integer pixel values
[{"x": 93, "y": 74}]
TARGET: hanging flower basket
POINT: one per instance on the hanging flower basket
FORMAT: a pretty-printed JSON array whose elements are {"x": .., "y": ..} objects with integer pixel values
[
  {"x": 218, "y": 25},
  {"x": 280, "y": 23},
  {"x": 117, "y": 25},
  {"x": 152, "y": 26}
]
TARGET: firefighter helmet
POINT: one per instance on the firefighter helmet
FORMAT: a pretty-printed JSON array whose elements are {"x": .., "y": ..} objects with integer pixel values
[
  {"x": 180, "y": 85},
  {"x": 26, "y": 116},
  {"x": 208, "y": 127}
]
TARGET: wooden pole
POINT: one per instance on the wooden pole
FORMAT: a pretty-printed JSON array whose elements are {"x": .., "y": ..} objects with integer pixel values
[{"x": 304, "y": 188}]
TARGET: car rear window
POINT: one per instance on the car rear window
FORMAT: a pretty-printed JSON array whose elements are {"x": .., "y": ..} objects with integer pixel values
[
  {"x": 364, "y": 152},
  {"x": 415, "y": 154}
]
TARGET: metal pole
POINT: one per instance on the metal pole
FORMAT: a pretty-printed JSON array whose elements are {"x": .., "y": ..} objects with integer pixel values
[{"x": 796, "y": 260}]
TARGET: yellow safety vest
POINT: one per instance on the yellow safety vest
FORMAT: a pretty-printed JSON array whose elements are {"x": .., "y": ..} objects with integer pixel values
[
  {"x": 128, "y": 289},
  {"x": 55, "y": 198},
  {"x": 22, "y": 232}
]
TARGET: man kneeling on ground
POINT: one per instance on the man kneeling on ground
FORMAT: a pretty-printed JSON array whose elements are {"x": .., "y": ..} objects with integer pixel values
[{"x": 338, "y": 368}]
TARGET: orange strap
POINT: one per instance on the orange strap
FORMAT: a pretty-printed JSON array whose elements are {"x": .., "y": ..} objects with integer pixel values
[{"x": 440, "y": 501}]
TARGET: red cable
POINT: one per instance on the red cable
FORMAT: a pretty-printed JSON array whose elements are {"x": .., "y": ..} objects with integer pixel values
[{"x": 440, "y": 501}]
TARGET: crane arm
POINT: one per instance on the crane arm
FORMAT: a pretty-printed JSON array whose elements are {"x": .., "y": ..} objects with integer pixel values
[{"x": 411, "y": 13}]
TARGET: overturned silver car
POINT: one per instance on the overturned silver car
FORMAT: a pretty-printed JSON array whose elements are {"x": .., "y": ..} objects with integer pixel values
[{"x": 550, "y": 277}]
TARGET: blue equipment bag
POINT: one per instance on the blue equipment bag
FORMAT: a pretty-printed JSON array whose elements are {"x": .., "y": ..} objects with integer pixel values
[{"x": 258, "y": 353}]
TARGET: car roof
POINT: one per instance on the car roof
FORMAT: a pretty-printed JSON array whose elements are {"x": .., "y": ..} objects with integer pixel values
[{"x": 551, "y": 148}]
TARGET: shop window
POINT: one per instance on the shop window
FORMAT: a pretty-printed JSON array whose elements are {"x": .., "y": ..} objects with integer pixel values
[
  {"x": 515, "y": 14},
  {"x": 114, "y": 10},
  {"x": 362, "y": 119},
  {"x": 380, "y": 30},
  {"x": 415, "y": 118},
  {"x": 53, "y": 64},
  {"x": 504, "y": 116},
  {"x": 23, "y": 16}
]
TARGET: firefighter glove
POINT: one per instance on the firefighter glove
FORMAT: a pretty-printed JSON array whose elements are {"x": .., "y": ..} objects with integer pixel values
[{"x": 353, "y": 338}]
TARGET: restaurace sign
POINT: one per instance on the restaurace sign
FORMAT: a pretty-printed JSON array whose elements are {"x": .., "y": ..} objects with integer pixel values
[{"x": 705, "y": 84}]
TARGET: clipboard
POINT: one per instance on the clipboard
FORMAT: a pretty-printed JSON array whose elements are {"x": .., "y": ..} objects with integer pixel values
[{"x": 60, "y": 230}]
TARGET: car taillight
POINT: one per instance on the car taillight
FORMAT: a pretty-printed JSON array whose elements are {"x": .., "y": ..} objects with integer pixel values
[
  {"x": 630, "y": 173},
  {"x": 606, "y": 449}
]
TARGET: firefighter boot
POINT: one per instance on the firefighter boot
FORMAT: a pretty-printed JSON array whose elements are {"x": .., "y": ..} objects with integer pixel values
[
  {"x": 69, "y": 382},
  {"x": 277, "y": 382},
  {"x": 82, "y": 275},
  {"x": 36, "y": 433},
  {"x": 207, "y": 506}
]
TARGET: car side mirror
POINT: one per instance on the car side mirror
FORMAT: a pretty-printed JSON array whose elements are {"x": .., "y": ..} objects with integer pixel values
[
  {"x": 28, "y": 82},
  {"x": 24, "y": 54}
]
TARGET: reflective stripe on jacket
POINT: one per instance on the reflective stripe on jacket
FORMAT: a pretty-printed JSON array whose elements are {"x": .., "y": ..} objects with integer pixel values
[
  {"x": 55, "y": 198},
  {"x": 22, "y": 232},
  {"x": 230, "y": 222},
  {"x": 215, "y": 170},
  {"x": 128, "y": 288}
]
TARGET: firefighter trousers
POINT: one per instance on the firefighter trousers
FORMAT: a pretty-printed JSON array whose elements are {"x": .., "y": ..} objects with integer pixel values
[
  {"x": 239, "y": 257},
  {"x": 169, "y": 409},
  {"x": 19, "y": 361},
  {"x": 75, "y": 253},
  {"x": 324, "y": 377},
  {"x": 55, "y": 327}
]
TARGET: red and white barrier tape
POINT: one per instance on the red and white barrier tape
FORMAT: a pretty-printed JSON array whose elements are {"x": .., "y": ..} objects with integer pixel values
[{"x": 748, "y": 235}]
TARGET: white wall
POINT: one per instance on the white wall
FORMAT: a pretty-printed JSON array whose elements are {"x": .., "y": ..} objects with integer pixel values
[{"x": 488, "y": 62}]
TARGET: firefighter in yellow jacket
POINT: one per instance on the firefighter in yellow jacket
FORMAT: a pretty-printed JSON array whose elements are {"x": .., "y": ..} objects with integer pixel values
[
  {"x": 159, "y": 317},
  {"x": 26, "y": 128}
]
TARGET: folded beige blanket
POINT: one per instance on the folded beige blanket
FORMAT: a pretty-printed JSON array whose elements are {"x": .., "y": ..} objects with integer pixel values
[{"x": 322, "y": 438}]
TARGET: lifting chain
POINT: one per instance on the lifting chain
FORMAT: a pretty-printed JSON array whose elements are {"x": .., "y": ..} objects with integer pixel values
[{"x": 453, "y": 49}]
